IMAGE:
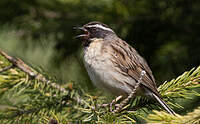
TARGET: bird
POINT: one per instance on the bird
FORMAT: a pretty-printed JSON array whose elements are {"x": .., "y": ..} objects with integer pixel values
[{"x": 115, "y": 66}]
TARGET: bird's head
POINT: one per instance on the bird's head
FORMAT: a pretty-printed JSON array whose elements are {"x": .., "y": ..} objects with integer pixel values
[{"x": 94, "y": 30}]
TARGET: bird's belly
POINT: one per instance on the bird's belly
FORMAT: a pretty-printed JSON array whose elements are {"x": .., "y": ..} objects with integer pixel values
[{"x": 103, "y": 75}]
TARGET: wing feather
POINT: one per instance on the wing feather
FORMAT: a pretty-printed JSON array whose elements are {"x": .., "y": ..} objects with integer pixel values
[{"x": 131, "y": 63}]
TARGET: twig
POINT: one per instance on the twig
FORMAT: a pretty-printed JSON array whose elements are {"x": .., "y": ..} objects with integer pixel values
[
  {"x": 6, "y": 68},
  {"x": 31, "y": 72},
  {"x": 19, "y": 63}
]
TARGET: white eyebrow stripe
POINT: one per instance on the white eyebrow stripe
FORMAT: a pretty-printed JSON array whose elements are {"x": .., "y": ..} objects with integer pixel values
[{"x": 100, "y": 26}]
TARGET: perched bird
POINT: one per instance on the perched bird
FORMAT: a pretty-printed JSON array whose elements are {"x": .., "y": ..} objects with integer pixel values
[{"x": 114, "y": 65}]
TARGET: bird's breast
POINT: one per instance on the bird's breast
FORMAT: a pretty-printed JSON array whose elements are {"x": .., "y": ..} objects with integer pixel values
[
  {"x": 101, "y": 70},
  {"x": 95, "y": 62}
]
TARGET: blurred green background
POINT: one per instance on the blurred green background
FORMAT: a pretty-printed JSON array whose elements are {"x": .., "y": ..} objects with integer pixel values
[{"x": 166, "y": 33}]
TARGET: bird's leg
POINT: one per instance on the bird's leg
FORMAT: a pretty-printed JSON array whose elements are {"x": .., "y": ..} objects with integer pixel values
[{"x": 125, "y": 101}]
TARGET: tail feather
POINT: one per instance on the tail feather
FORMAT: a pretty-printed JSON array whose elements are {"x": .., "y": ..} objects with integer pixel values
[{"x": 165, "y": 106}]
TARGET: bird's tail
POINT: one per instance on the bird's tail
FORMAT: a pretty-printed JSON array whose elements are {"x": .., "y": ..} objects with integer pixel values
[{"x": 167, "y": 108}]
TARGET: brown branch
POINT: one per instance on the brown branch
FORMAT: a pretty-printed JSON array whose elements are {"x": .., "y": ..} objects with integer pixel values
[
  {"x": 6, "y": 68},
  {"x": 17, "y": 62}
]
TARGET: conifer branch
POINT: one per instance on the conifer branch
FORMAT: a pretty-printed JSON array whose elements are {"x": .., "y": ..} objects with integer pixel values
[
  {"x": 41, "y": 98},
  {"x": 182, "y": 87},
  {"x": 17, "y": 62},
  {"x": 27, "y": 69},
  {"x": 163, "y": 118}
]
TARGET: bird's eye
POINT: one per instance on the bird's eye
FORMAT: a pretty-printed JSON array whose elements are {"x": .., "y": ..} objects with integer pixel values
[{"x": 93, "y": 29}]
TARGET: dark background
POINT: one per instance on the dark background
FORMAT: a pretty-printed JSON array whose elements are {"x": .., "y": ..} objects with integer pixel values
[{"x": 41, "y": 32}]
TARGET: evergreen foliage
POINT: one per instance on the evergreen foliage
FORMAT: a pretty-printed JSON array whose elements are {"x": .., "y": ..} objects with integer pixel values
[
  {"x": 34, "y": 97},
  {"x": 165, "y": 118}
]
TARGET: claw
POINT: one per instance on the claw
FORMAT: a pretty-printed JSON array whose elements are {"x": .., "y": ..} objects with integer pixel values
[
  {"x": 114, "y": 101},
  {"x": 110, "y": 105}
]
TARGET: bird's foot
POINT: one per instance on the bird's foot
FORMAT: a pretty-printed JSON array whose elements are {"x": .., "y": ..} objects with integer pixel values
[{"x": 113, "y": 103}]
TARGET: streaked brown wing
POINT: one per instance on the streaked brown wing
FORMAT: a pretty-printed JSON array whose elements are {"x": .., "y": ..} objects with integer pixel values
[{"x": 131, "y": 63}]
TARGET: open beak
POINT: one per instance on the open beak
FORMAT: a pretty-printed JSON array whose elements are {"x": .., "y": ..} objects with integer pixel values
[{"x": 85, "y": 34}]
